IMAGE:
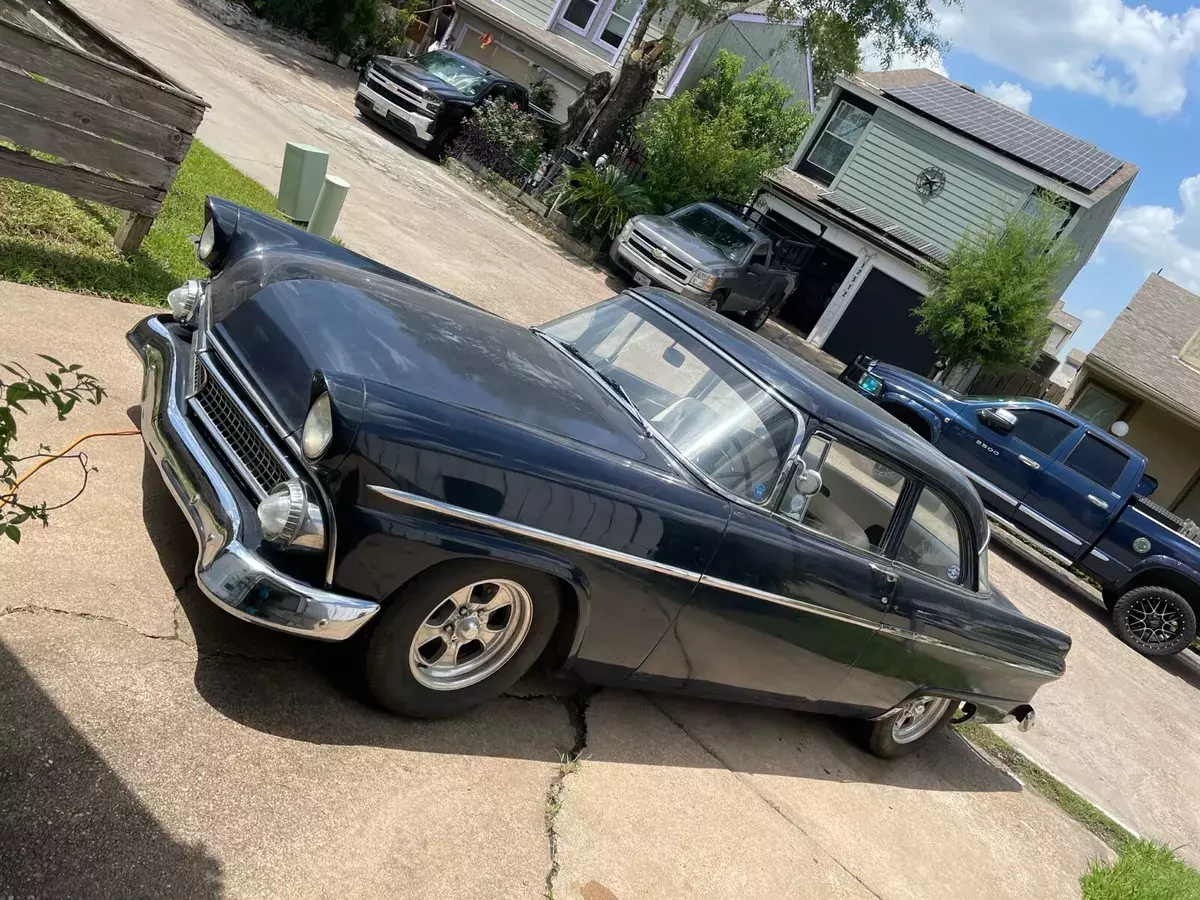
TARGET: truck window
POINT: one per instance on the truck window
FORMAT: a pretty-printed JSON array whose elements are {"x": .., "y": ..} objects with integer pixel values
[
  {"x": 760, "y": 255},
  {"x": 932, "y": 542},
  {"x": 1040, "y": 430},
  {"x": 1098, "y": 461}
]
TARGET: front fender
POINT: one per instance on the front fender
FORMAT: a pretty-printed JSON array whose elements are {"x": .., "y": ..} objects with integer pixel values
[{"x": 1150, "y": 564}]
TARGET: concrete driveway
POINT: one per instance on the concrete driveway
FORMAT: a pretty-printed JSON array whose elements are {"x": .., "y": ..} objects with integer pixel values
[{"x": 152, "y": 746}]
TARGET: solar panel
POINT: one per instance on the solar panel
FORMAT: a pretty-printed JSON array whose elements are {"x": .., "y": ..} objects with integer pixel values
[{"x": 1055, "y": 152}]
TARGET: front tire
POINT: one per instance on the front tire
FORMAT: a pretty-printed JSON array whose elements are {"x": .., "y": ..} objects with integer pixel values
[
  {"x": 716, "y": 301},
  {"x": 1154, "y": 621},
  {"x": 460, "y": 637},
  {"x": 910, "y": 726}
]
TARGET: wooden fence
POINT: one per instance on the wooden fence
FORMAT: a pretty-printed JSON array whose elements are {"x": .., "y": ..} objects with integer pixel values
[
  {"x": 1022, "y": 383},
  {"x": 87, "y": 116}
]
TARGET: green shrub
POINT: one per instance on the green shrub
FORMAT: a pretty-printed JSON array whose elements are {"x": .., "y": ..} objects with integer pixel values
[
  {"x": 515, "y": 132},
  {"x": 720, "y": 137},
  {"x": 600, "y": 201},
  {"x": 360, "y": 28},
  {"x": 543, "y": 94}
]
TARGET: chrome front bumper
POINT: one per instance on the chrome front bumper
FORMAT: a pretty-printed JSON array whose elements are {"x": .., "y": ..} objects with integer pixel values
[
  {"x": 422, "y": 125},
  {"x": 228, "y": 571}
]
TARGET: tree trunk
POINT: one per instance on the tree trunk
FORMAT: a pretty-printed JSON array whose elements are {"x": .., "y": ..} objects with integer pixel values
[{"x": 633, "y": 89}]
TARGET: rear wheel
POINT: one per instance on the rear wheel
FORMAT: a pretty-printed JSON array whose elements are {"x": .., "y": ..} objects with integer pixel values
[
  {"x": 460, "y": 637},
  {"x": 1154, "y": 621},
  {"x": 910, "y": 726},
  {"x": 758, "y": 318}
]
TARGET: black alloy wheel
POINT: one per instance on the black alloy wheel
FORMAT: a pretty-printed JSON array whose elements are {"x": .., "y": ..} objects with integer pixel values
[{"x": 1154, "y": 621}]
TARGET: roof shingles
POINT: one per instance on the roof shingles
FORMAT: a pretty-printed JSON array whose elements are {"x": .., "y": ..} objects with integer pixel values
[{"x": 1143, "y": 344}]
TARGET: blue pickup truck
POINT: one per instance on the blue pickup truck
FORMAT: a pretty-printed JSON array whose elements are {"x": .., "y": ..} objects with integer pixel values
[{"x": 1071, "y": 488}]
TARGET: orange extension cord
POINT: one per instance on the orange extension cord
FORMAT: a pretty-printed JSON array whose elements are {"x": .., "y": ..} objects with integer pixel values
[{"x": 49, "y": 459}]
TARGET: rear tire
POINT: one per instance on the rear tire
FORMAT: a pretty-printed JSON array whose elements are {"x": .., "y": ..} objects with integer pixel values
[
  {"x": 910, "y": 726},
  {"x": 408, "y": 669},
  {"x": 757, "y": 319},
  {"x": 1154, "y": 621}
]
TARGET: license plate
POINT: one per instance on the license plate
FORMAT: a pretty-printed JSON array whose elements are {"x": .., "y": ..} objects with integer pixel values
[
  {"x": 380, "y": 110},
  {"x": 642, "y": 279}
]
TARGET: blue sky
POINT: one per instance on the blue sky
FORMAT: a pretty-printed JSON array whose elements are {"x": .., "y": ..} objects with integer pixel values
[{"x": 1123, "y": 77}]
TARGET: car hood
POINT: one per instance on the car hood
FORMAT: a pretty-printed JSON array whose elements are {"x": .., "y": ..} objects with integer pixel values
[
  {"x": 283, "y": 317},
  {"x": 408, "y": 71},
  {"x": 666, "y": 233}
]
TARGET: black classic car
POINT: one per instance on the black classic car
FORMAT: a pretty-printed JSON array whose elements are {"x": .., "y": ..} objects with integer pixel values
[
  {"x": 640, "y": 493},
  {"x": 425, "y": 99}
]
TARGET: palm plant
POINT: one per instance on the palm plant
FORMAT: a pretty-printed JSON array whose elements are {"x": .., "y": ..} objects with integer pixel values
[{"x": 600, "y": 200}]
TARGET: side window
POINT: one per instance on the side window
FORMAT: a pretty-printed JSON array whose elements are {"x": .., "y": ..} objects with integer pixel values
[
  {"x": 931, "y": 541},
  {"x": 515, "y": 94},
  {"x": 1096, "y": 460},
  {"x": 761, "y": 254},
  {"x": 1040, "y": 430},
  {"x": 857, "y": 498}
]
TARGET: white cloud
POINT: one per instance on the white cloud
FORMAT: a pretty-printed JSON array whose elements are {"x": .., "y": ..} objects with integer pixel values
[
  {"x": 1129, "y": 55},
  {"x": 1164, "y": 237},
  {"x": 1092, "y": 314},
  {"x": 1009, "y": 94}
]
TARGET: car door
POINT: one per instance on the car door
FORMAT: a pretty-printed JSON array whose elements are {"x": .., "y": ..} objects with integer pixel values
[
  {"x": 1005, "y": 465},
  {"x": 1078, "y": 494},
  {"x": 749, "y": 287},
  {"x": 793, "y": 594}
]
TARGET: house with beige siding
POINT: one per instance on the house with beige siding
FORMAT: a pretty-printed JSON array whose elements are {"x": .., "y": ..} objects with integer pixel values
[
  {"x": 568, "y": 41},
  {"x": 897, "y": 167},
  {"x": 1145, "y": 371}
]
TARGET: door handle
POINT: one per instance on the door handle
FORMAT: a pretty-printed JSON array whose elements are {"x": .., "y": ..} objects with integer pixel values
[
  {"x": 1096, "y": 501},
  {"x": 1032, "y": 463},
  {"x": 889, "y": 580}
]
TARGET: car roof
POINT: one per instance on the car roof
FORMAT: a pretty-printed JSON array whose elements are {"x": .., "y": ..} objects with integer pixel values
[{"x": 823, "y": 396}]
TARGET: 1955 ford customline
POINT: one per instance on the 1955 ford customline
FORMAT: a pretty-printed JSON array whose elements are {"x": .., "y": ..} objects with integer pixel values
[{"x": 640, "y": 493}]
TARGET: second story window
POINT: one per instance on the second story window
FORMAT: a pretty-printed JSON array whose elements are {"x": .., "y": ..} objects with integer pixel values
[
  {"x": 579, "y": 13},
  {"x": 618, "y": 23},
  {"x": 833, "y": 147}
]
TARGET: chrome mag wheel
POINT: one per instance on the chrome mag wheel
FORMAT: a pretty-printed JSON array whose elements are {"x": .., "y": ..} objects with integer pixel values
[
  {"x": 470, "y": 635},
  {"x": 1155, "y": 620},
  {"x": 917, "y": 717}
]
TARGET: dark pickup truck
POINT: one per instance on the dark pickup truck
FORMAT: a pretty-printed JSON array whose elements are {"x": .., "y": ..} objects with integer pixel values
[
  {"x": 1073, "y": 489},
  {"x": 425, "y": 99}
]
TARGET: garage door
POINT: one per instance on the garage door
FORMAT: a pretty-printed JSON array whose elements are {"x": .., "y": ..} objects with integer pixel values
[{"x": 879, "y": 322}]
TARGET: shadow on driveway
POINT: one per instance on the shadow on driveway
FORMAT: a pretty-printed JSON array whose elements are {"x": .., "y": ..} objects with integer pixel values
[
  {"x": 313, "y": 692},
  {"x": 69, "y": 827}
]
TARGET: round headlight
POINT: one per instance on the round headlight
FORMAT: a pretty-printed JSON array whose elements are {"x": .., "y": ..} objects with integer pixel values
[
  {"x": 318, "y": 428},
  {"x": 208, "y": 242},
  {"x": 185, "y": 300}
]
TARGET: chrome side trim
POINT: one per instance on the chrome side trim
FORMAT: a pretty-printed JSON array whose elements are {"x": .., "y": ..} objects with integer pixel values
[
  {"x": 1051, "y": 526},
  {"x": 529, "y": 531},
  {"x": 988, "y": 486},
  {"x": 1100, "y": 555},
  {"x": 1017, "y": 533},
  {"x": 468, "y": 515}
]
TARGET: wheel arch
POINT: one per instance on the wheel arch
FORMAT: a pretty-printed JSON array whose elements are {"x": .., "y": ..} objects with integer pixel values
[{"x": 1169, "y": 574}]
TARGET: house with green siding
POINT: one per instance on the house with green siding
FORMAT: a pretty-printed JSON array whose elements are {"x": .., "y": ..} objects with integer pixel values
[
  {"x": 566, "y": 42},
  {"x": 895, "y": 169}
]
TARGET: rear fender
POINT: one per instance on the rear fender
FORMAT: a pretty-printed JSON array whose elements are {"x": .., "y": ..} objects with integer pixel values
[{"x": 927, "y": 415}]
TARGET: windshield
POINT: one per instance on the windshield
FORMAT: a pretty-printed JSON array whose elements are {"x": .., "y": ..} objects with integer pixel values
[
  {"x": 458, "y": 73},
  {"x": 725, "y": 425},
  {"x": 714, "y": 229}
]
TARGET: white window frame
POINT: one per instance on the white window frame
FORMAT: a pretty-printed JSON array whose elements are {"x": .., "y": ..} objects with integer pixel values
[
  {"x": 609, "y": 8},
  {"x": 826, "y": 132},
  {"x": 571, "y": 26}
]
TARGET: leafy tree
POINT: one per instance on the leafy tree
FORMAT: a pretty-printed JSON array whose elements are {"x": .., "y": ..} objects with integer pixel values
[
  {"x": 832, "y": 29},
  {"x": 62, "y": 389},
  {"x": 718, "y": 138},
  {"x": 988, "y": 303}
]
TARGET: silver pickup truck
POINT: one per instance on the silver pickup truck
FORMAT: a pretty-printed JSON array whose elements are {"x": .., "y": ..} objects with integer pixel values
[{"x": 706, "y": 254}]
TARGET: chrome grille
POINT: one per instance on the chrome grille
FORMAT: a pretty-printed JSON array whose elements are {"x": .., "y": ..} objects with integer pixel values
[
  {"x": 397, "y": 93},
  {"x": 253, "y": 457},
  {"x": 659, "y": 256}
]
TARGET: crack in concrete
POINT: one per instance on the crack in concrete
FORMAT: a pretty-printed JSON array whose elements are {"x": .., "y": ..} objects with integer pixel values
[
  {"x": 750, "y": 786},
  {"x": 569, "y": 763},
  {"x": 92, "y": 617}
]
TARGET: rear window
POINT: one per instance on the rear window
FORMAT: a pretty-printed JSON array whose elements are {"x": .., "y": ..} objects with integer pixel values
[{"x": 1098, "y": 461}]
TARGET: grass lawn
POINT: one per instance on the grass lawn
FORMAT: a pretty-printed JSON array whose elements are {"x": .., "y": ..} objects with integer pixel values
[
  {"x": 55, "y": 241},
  {"x": 1145, "y": 870}
]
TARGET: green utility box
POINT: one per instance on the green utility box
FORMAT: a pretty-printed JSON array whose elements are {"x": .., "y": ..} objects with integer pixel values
[{"x": 300, "y": 182}]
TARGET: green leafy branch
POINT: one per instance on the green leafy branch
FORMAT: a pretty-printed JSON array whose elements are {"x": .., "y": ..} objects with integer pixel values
[{"x": 62, "y": 389}]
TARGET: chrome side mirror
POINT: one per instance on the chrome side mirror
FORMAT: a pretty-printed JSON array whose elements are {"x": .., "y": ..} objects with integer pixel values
[
  {"x": 1000, "y": 420},
  {"x": 808, "y": 482}
]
